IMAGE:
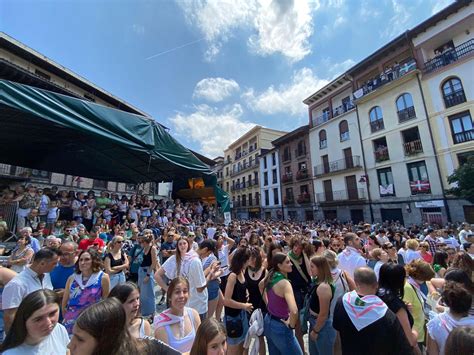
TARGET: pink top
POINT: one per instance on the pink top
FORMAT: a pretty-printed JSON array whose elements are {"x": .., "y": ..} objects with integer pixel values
[{"x": 277, "y": 305}]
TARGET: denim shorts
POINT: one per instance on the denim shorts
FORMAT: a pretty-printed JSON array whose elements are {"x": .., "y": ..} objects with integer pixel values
[
  {"x": 245, "y": 323},
  {"x": 213, "y": 290}
]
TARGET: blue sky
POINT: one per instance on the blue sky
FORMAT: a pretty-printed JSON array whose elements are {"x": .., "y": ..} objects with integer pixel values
[{"x": 210, "y": 70}]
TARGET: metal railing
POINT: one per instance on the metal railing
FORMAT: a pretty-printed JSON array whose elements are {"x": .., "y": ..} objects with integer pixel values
[
  {"x": 339, "y": 110},
  {"x": 289, "y": 200},
  {"x": 456, "y": 98},
  {"x": 300, "y": 152},
  {"x": 413, "y": 147},
  {"x": 377, "y": 125},
  {"x": 406, "y": 114},
  {"x": 344, "y": 136},
  {"x": 450, "y": 56},
  {"x": 302, "y": 174},
  {"x": 304, "y": 198},
  {"x": 323, "y": 144},
  {"x": 337, "y": 165},
  {"x": 464, "y": 136},
  {"x": 286, "y": 157},
  {"x": 244, "y": 167},
  {"x": 341, "y": 195},
  {"x": 286, "y": 178}
]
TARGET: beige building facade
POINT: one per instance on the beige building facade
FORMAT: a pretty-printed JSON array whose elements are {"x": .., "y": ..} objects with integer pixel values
[
  {"x": 446, "y": 49},
  {"x": 241, "y": 170}
]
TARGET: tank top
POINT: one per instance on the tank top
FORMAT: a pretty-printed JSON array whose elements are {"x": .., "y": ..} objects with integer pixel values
[
  {"x": 184, "y": 344},
  {"x": 146, "y": 259},
  {"x": 314, "y": 299},
  {"x": 277, "y": 305},
  {"x": 116, "y": 262},
  {"x": 239, "y": 295},
  {"x": 255, "y": 297}
]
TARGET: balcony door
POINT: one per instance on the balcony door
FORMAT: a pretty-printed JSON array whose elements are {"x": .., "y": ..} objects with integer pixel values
[
  {"x": 348, "y": 158},
  {"x": 351, "y": 184},
  {"x": 328, "y": 196},
  {"x": 325, "y": 159}
]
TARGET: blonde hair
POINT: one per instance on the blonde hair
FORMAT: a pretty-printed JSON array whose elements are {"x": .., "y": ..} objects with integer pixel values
[
  {"x": 377, "y": 253},
  {"x": 412, "y": 244},
  {"x": 331, "y": 257}
]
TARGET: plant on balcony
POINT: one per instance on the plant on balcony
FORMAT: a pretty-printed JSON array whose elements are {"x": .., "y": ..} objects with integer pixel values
[
  {"x": 288, "y": 200},
  {"x": 304, "y": 198},
  {"x": 286, "y": 178},
  {"x": 302, "y": 174},
  {"x": 381, "y": 154}
]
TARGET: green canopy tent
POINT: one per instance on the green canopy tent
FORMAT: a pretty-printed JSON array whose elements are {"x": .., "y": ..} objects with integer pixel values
[{"x": 43, "y": 130}]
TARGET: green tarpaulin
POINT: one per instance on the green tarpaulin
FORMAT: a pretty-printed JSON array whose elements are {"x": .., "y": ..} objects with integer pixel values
[{"x": 49, "y": 131}]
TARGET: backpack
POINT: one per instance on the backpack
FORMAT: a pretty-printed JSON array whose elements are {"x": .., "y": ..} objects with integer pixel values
[{"x": 304, "y": 312}]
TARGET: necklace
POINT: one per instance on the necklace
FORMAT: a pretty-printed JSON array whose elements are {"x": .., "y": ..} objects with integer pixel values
[{"x": 254, "y": 271}]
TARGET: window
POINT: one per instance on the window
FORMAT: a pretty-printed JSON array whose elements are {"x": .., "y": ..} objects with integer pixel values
[
  {"x": 257, "y": 198},
  {"x": 376, "y": 119},
  {"x": 43, "y": 174},
  {"x": 286, "y": 154},
  {"x": 323, "y": 142},
  {"x": 301, "y": 150},
  {"x": 267, "y": 198},
  {"x": 464, "y": 157},
  {"x": 344, "y": 130},
  {"x": 264, "y": 162},
  {"x": 274, "y": 176},
  {"x": 326, "y": 113},
  {"x": 244, "y": 200},
  {"x": 412, "y": 142},
  {"x": 418, "y": 176},
  {"x": 274, "y": 159},
  {"x": 102, "y": 184},
  {"x": 381, "y": 150},
  {"x": 461, "y": 127},
  {"x": 255, "y": 176},
  {"x": 227, "y": 186},
  {"x": 386, "y": 185},
  {"x": 405, "y": 108},
  {"x": 453, "y": 92},
  {"x": 275, "y": 197},
  {"x": 265, "y": 178},
  {"x": 250, "y": 199}
]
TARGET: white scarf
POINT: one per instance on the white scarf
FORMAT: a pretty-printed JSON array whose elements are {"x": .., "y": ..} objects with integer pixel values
[
  {"x": 92, "y": 280},
  {"x": 363, "y": 311}
]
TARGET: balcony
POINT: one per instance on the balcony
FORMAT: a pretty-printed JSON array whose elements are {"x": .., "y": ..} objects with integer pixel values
[
  {"x": 323, "y": 144},
  {"x": 300, "y": 153},
  {"x": 413, "y": 147},
  {"x": 456, "y": 98},
  {"x": 391, "y": 74},
  {"x": 289, "y": 200},
  {"x": 302, "y": 174},
  {"x": 344, "y": 136},
  {"x": 381, "y": 154},
  {"x": 406, "y": 114},
  {"x": 464, "y": 136},
  {"x": 304, "y": 198},
  {"x": 337, "y": 165},
  {"x": 339, "y": 110},
  {"x": 286, "y": 157},
  {"x": 450, "y": 56},
  {"x": 377, "y": 125},
  {"x": 244, "y": 167},
  {"x": 341, "y": 195},
  {"x": 321, "y": 119},
  {"x": 287, "y": 178}
]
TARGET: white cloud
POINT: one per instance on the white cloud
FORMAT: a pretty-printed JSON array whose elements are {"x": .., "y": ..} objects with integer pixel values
[
  {"x": 440, "y": 5},
  {"x": 333, "y": 70},
  {"x": 283, "y": 27},
  {"x": 215, "y": 89},
  {"x": 138, "y": 29},
  {"x": 277, "y": 26},
  {"x": 211, "y": 128},
  {"x": 286, "y": 98}
]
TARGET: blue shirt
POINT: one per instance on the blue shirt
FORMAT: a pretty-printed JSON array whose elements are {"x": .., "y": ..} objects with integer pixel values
[
  {"x": 60, "y": 274},
  {"x": 35, "y": 244}
]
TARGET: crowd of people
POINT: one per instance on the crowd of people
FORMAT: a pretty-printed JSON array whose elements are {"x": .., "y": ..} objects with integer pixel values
[{"x": 87, "y": 273}]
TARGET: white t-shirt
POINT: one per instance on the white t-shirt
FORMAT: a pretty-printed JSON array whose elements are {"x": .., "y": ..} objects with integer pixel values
[
  {"x": 191, "y": 270},
  {"x": 210, "y": 232},
  {"x": 54, "y": 344},
  {"x": 21, "y": 286},
  {"x": 223, "y": 255},
  {"x": 350, "y": 259}
]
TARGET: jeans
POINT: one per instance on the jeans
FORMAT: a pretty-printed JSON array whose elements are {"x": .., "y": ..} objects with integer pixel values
[
  {"x": 147, "y": 291},
  {"x": 324, "y": 345},
  {"x": 281, "y": 339},
  {"x": 117, "y": 279}
]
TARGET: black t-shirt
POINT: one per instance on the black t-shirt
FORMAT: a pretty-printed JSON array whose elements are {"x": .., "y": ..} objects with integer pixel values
[
  {"x": 385, "y": 336},
  {"x": 394, "y": 303},
  {"x": 297, "y": 281}
]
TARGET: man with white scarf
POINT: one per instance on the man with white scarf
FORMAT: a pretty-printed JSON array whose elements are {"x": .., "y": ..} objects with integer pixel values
[
  {"x": 351, "y": 258},
  {"x": 364, "y": 322}
]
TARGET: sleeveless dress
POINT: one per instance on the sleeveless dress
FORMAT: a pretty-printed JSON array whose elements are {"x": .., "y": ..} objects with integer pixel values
[{"x": 82, "y": 296}]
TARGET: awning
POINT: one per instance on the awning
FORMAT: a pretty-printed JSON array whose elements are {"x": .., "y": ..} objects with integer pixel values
[{"x": 49, "y": 131}]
